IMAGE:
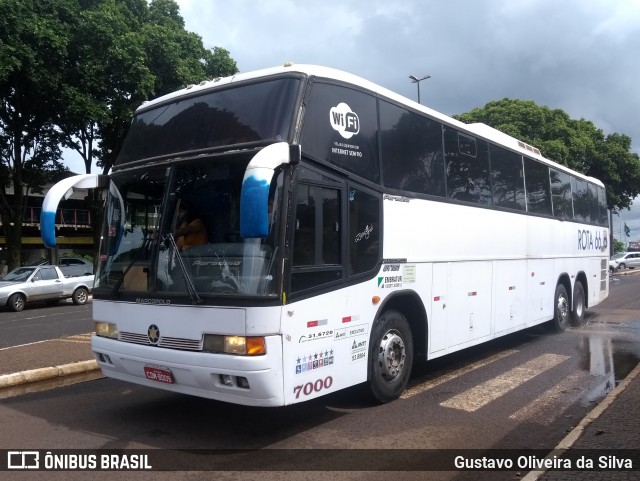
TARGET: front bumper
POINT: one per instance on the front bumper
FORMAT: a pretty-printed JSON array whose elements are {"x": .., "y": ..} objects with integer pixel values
[{"x": 198, "y": 373}]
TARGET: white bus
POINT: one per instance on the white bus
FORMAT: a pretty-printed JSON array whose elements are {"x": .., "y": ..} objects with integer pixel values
[{"x": 348, "y": 233}]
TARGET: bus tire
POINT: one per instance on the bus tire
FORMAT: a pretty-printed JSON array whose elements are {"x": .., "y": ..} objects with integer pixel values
[
  {"x": 577, "y": 315},
  {"x": 390, "y": 356},
  {"x": 561, "y": 311}
]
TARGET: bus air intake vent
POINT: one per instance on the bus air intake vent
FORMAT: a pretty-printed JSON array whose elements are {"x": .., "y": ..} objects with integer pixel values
[{"x": 528, "y": 147}]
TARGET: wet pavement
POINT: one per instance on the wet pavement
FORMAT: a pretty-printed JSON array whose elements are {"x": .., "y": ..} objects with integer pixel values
[{"x": 609, "y": 436}]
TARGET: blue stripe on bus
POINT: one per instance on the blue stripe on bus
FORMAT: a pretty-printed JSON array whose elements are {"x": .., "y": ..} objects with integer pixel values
[
  {"x": 254, "y": 208},
  {"x": 48, "y": 228}
]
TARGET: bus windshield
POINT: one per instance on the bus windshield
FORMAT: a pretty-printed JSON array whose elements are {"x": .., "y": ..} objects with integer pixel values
[
  {"x": 181, "y": 233},
  {"x": 241, "y": 114}
]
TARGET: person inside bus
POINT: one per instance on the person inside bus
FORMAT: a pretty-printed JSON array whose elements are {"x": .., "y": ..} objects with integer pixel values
[{"x": 191, "y": 230}]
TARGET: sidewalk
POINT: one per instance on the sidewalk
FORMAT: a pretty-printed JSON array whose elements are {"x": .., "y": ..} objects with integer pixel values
[
  {"x": 46, "y": 360},
  {"x": 613, "y": 424}
]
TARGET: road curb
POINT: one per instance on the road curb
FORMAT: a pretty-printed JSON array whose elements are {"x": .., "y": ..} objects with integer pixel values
[
  {"x": 591, "y": 416},
  {"x": 46, "y": 373}
]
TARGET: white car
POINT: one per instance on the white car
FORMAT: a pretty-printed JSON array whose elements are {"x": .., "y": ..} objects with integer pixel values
[
  {"x": 624, "y": 260},
  {"x": 42, "y": 283}
]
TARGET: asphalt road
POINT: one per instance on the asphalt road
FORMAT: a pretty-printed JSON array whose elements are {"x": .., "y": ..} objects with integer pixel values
[{"x": 39, "y": 322}]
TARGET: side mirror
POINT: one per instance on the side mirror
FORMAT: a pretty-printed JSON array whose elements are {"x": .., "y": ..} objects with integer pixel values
[{"x": 254, "y": 198}]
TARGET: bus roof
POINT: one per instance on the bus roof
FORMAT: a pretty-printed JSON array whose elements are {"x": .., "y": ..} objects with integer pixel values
[{"x": 478, "y": 129}]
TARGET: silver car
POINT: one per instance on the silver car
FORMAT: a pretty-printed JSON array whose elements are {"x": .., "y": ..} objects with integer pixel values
[
  {"x": 70, "y": 266},
  {"x": 624, "y": 260}
]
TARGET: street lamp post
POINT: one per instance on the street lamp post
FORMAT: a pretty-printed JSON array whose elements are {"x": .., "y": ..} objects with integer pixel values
[{"x": 417, "y": 81}]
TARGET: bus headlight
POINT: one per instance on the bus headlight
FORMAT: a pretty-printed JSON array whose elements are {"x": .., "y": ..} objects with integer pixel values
[
  {"x": 240, "y": 345},
  {"x": 106, "y": 329}
]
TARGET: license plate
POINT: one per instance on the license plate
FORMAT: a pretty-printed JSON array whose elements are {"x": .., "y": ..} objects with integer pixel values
[{"x": 158, "y": 374}]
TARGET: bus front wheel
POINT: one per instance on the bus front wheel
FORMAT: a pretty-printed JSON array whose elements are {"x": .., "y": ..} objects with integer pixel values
[
  {"x": 561, "y": 311},
  {"x": 391, "y": 356}
]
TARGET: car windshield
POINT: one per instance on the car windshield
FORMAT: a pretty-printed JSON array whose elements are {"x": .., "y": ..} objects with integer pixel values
[
  {"x": 181, "y": 232},
  {"x": 619, "y": 255},
  {"x": 18, "y": 275}
]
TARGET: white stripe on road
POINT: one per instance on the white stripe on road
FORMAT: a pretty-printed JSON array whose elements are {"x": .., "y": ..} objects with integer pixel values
[
  {"x": 75, "y": 338},
  {"x": 79, "y": 338},
  {"x": 481, "y": 395},
  {"x": 540, "y": 409},
  {"x": 425, "y": 386}
]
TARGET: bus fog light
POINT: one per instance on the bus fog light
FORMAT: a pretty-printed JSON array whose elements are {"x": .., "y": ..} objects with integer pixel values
[
  {"x": 106, "y": 329},
  {"x": 243, "y": 382},
  {"x": 104, "y": 358},
  {"x": 226, "y": 379}
]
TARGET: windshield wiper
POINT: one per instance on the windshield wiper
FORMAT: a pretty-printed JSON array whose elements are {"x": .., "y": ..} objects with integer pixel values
[{"x": 191, "y": 288}]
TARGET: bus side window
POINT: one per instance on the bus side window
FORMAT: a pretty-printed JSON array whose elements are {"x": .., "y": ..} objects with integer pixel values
[{"x": 467, "y": 167}]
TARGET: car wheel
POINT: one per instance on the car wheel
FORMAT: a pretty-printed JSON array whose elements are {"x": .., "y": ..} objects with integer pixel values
[
  {"x": 80, "y": 296},
  {"x": 561, "y": 312},
  {"x": 622, "y": 265},
  {"x": 391, "y": 356},
  {"x": 16, "y": 302},
  {"x": 577, "y": 315}
]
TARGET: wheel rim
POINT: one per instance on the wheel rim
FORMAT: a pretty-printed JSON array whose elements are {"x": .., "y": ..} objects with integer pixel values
[
  {"x": 563, "y": 310},
  {"x": 82, "y": 296},
  {"x": 18, "y": 303},
  {"x": 392, "y": 355}
]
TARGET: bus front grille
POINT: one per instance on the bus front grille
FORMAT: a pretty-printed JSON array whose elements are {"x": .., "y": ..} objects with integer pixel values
[{"x": 165, "y": 342}]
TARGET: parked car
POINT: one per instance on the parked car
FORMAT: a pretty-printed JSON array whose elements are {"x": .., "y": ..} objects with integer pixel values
[
  {"x": 42, "y": 283},
  {"x": 70, "y": 266},
  {"x": 624, "y": 260}
]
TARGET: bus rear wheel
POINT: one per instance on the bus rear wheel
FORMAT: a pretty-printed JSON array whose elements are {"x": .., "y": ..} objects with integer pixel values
[
  {"x": 577, "y": 315},
  {"x": 561, "y": 311},
  {"x": 391, "y": 356}
]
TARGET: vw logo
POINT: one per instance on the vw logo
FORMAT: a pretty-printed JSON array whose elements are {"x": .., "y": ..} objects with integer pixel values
[{"x": 153, "y": 334}]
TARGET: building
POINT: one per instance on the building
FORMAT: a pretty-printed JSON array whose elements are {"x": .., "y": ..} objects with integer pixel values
[{"x": 73, "y": 223}]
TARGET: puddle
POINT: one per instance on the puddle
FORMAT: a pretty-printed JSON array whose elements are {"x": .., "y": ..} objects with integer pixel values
[
  {"x": 609, "y": 352},
  {"x": 634, "y": 324}
]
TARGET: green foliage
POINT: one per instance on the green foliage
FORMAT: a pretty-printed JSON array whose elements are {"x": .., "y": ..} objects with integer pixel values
[
  {"x": 618, "y": 246},
  {"x": 578, "y": 144},
  {"x": 72, "y": 73}
]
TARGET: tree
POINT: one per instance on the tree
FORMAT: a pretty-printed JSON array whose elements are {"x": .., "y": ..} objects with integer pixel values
[
  {"x": 138, "y": 51},
  {"x": 578, "y": 144},
  {"x": 31, "y": 59},
  {"x": 72, "y": 73},
  {"x": 109, "y": 73}
]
